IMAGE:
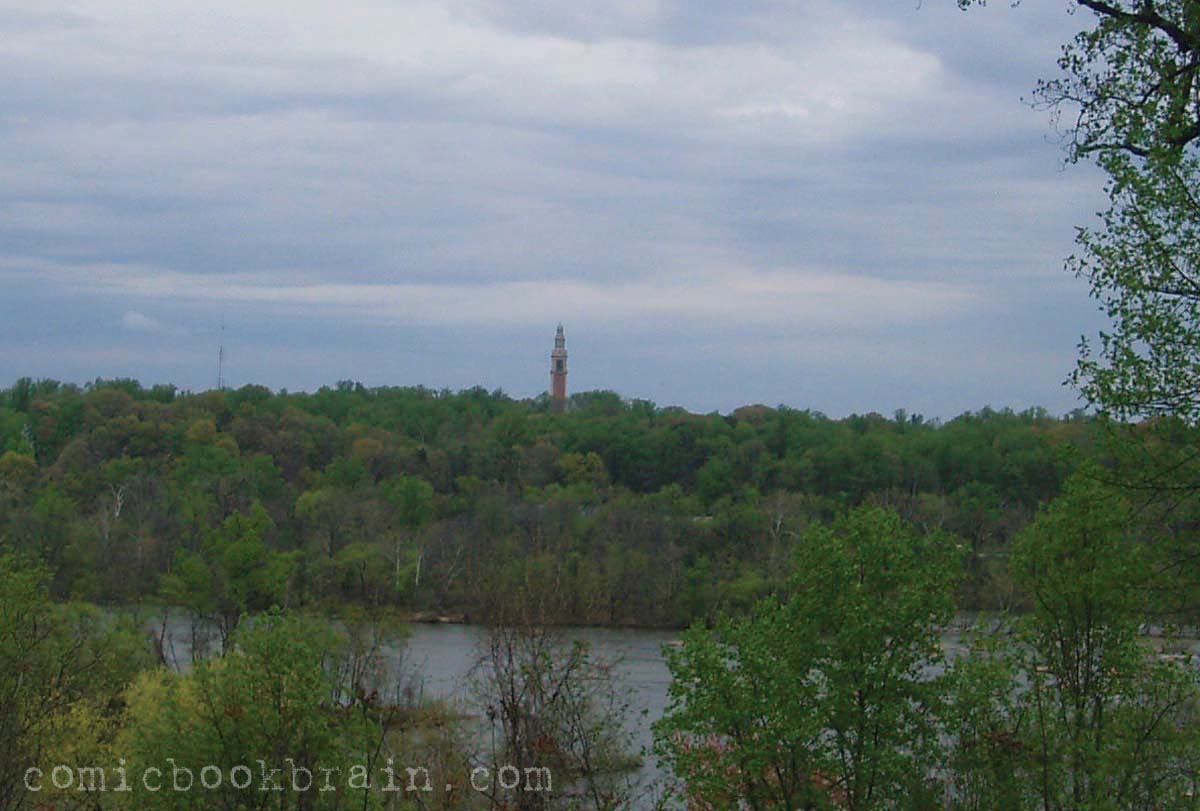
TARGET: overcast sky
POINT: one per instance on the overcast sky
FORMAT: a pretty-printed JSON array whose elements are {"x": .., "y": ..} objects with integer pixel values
[{"x": 838, "y": 205}]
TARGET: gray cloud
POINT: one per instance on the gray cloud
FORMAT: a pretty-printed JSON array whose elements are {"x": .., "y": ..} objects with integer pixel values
[{"x": 842, "y": 206}]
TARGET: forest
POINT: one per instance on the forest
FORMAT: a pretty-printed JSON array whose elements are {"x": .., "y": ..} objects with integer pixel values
[
  {"x": 817, "y": 564},
  {"x": 433, "y": 502}
]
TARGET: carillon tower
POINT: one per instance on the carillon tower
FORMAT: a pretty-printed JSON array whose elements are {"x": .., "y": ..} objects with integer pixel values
[{"x": 558, "y": 369}]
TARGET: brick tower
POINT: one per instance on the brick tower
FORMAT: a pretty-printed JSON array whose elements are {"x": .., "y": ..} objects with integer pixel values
[{"x": 558, "y": 369}]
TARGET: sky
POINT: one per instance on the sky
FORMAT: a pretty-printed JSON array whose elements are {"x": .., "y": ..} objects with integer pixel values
[{"x": 838, "y": 206}]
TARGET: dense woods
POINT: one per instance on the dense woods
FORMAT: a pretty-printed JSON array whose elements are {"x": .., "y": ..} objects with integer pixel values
[
  {"x": 817, "y": 561},
  {"x": 614, "y": 512}
]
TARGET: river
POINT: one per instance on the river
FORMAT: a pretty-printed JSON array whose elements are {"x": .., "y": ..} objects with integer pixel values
[{"x": 438, "y": 660}]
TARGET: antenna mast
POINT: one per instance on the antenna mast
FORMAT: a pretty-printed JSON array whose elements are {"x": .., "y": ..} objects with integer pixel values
[{"x": 221, "y": 358}]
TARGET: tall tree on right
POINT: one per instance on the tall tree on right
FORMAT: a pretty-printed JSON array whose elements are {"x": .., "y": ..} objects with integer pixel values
[
  {"x": 1134, "y": 86},
  {"x": 1128, "y": 97}
]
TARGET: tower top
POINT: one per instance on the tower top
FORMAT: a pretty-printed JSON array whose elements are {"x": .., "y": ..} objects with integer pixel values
[{"x": 560, "y": 338}]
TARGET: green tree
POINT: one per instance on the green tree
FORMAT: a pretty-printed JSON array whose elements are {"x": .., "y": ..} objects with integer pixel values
[
  {"x": 1128, "y": 92},
  {"x": 275, "y": 698},
  {"x": 823, "y": 695},
  {"x": 1073, "y": 711},
  {"x": 58, "y": 663},
  {"x": 1104, "y": 718},
  {"x": 236, "y": 573},
  {"x": 412, "y": 500}
]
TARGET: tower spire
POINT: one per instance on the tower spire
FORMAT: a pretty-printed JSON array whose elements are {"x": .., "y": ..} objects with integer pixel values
[{"x": 558, "y": 369}]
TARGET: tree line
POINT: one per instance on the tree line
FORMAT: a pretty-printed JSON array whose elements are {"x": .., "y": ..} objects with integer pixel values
[{"x": 230, "y": 502}]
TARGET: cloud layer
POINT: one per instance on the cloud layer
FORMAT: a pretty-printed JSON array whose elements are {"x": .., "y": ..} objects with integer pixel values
[{"x": 729, "y": 203}]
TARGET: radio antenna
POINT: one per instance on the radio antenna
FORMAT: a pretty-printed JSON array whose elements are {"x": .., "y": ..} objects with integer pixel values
[{"x": 221, "y": 358}]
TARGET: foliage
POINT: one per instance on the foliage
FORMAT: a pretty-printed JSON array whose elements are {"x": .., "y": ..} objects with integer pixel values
[
  {"x": 822, "y": 697},
  {"x": 1073, "y": 711},
  {"x": 274, "y": 702},
  {"x": 229, "y": 502},
  {"x": 1126, "y": 96},
  {"x": 62, "y": 669},
  {"x": 235, "y": 573}
]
